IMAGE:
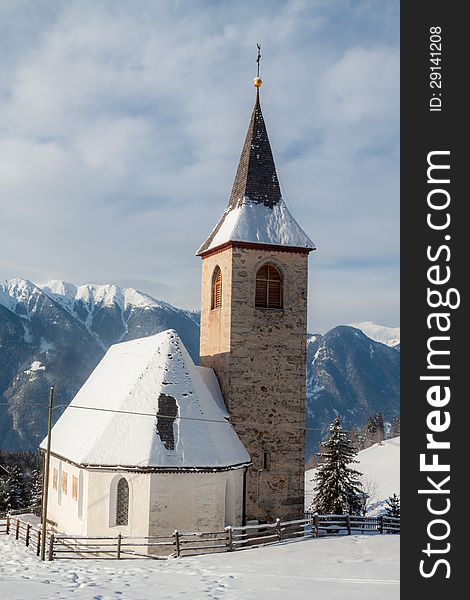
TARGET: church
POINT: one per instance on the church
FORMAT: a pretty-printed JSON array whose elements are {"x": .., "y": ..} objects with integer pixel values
[{"x": 152, "y": 442}]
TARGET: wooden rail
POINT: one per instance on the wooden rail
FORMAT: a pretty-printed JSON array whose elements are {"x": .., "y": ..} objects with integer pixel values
[
  {"x": 190, "y": 543},
  {"x": 23, "y": 531}
]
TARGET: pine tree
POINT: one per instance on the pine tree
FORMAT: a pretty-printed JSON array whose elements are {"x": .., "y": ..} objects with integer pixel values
[
  {"x": 34, "y": 492},
  {"x": 15, "y": 485},
  {"x": 337, "y": 486},
  {"x": 5, "y": 501},
  {"x": 358, "y": 438},
  {"x": 393, "y": 506},
  {"x": 374, "y": 430},
  {"x": 395, "y": 427}
]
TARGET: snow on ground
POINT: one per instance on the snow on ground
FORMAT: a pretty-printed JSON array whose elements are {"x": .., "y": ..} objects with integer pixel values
[
  {"x": 355, "y": 567},
  {"x": 380, "y": 466}
]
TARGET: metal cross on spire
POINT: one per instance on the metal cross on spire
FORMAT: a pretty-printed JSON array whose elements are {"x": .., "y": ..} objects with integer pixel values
[{"x": 257, "y": 80}]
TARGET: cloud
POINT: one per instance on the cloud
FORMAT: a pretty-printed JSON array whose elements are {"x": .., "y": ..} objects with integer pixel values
[{"x": 122, "y": 123}]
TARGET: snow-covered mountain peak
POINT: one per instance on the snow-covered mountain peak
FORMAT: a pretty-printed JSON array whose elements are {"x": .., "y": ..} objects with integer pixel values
[
  {"x": 93, "y": 294},
  {"x": 390, "y": 336},
  {"x": 19, "y": 296}
]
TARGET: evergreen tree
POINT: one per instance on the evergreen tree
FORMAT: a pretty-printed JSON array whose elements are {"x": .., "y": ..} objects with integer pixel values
[
  {"x": 34, "y": 493},
  {"x": 5, "y": 502},
  {"x": 337, "y": 486},
  {"x": 375, "y": 430},
  {"x": 393, "y": 506},
  {"x": 395, "y": 427},
  {"x": 15, "y": 485},
  {"x": 358, "y": 438}
]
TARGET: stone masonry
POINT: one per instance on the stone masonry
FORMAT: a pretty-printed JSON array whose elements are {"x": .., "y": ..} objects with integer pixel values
[{"x": 259, "y": 356}]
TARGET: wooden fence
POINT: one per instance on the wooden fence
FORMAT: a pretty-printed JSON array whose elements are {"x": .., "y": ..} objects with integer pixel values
[
  {"x": 352, "y": 523},
  {"x": 23, "y": 531},
  {"x": 186, "y": 543}
]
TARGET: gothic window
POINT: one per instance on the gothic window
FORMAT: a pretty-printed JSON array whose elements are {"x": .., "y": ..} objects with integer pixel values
[
  {"x": 122, "y": 502},
  {"x": 268, "y": 287},
  {"x": 216, "y": 301}
]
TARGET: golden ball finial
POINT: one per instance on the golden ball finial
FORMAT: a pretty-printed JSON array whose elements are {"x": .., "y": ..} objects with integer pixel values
[{"x": 257, "y": 82}]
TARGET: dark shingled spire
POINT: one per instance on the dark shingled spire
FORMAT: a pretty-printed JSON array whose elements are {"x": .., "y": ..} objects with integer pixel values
[
  {"x": 256, "y": 212},
  {"x": 256, "y": 175}
]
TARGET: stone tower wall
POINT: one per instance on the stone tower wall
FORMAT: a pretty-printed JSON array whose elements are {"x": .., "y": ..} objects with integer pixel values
[
  {"x": 259, "y": 356},
  {"x": 215, "y": 324}
]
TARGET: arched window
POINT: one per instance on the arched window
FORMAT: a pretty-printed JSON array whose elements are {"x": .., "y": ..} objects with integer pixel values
[
  {"x": 268, "y": 287},
  {"x": 216, "y": 301},
  {"x": 122, "y": 502}
]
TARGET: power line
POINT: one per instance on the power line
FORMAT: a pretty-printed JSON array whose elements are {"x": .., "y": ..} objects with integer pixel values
[
  {"x": 153, "y": 415},
  {"x": 143, "y": 414}
]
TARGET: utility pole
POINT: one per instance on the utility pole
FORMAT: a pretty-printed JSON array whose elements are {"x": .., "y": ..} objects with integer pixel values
[{"x": 45, "y": 481}]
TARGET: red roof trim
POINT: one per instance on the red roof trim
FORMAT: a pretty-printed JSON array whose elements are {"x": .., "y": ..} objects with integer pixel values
[{"x": 251, "y": 246}]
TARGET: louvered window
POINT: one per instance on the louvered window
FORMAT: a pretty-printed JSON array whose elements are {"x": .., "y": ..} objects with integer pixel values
[
  {"x": 268, "y": 287},
  {"x": 216, "y": 289},
  {"x": 122, "y": 502}
]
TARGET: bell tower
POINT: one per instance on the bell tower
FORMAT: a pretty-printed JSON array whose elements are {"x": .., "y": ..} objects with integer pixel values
[{"x": 254, "y": 326}]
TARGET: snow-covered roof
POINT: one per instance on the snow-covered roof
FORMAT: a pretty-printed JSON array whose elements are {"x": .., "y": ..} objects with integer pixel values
[
  {"x": 256, "y": 223},
  {"x": 184, "y": 423},
  {"x": 256, "y": 212}
]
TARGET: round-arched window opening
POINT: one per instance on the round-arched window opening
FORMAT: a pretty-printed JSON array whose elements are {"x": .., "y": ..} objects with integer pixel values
[
  {"x": 122, "y": 502},
  {"x": 216, "y": 301},
  {"x": 269, "y": 287}
]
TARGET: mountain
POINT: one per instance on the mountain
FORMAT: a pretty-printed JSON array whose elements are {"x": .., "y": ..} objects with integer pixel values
[
  {"x": 380, "y": 468},
  {"x": 351, "y": 375},
  {"x": 56, "y": 333},
  {"x": 390, "y": 336}
]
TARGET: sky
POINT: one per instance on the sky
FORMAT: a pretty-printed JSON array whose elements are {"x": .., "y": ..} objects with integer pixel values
[{"x": 122, "y": 122}]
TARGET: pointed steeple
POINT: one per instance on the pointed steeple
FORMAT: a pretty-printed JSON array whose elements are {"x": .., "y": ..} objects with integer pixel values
[
  {"x": 256, "y": 176},
  {"x": 256, "y": 212}
]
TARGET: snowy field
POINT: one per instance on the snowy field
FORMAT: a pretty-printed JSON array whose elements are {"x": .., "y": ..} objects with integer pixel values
[
  {"x": 362, "y": 567},
  {"x": 355, "y": 567},
  {"x": 380, "y": 466}
]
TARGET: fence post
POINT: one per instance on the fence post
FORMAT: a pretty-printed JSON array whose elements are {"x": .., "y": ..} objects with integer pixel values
[
  {"x": 38, "y": 546},
  {"x": 177, "y": 542},
  {"x": 17, "y": 530},
  {"x": 28, "y": 527},
  {"x": 381, "y": 524},
  {"x": 119, "y": 539},
  {"x": 229, "y": 530},
  {"x": 316, "y": 522},
  {"x": 8, "y": 524},
  {"x": 51, "y": 547},
  {"x": 278, "y": 529},
  {"x": 348, "y": 523}
]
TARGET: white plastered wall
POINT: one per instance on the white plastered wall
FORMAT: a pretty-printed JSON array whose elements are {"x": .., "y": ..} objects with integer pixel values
[
  {"x": 159, "y": 503},
  {"x": 62, "y": 509},
  {"x": 195, "y": 501},
  {"x": 101, "y": 503}
]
